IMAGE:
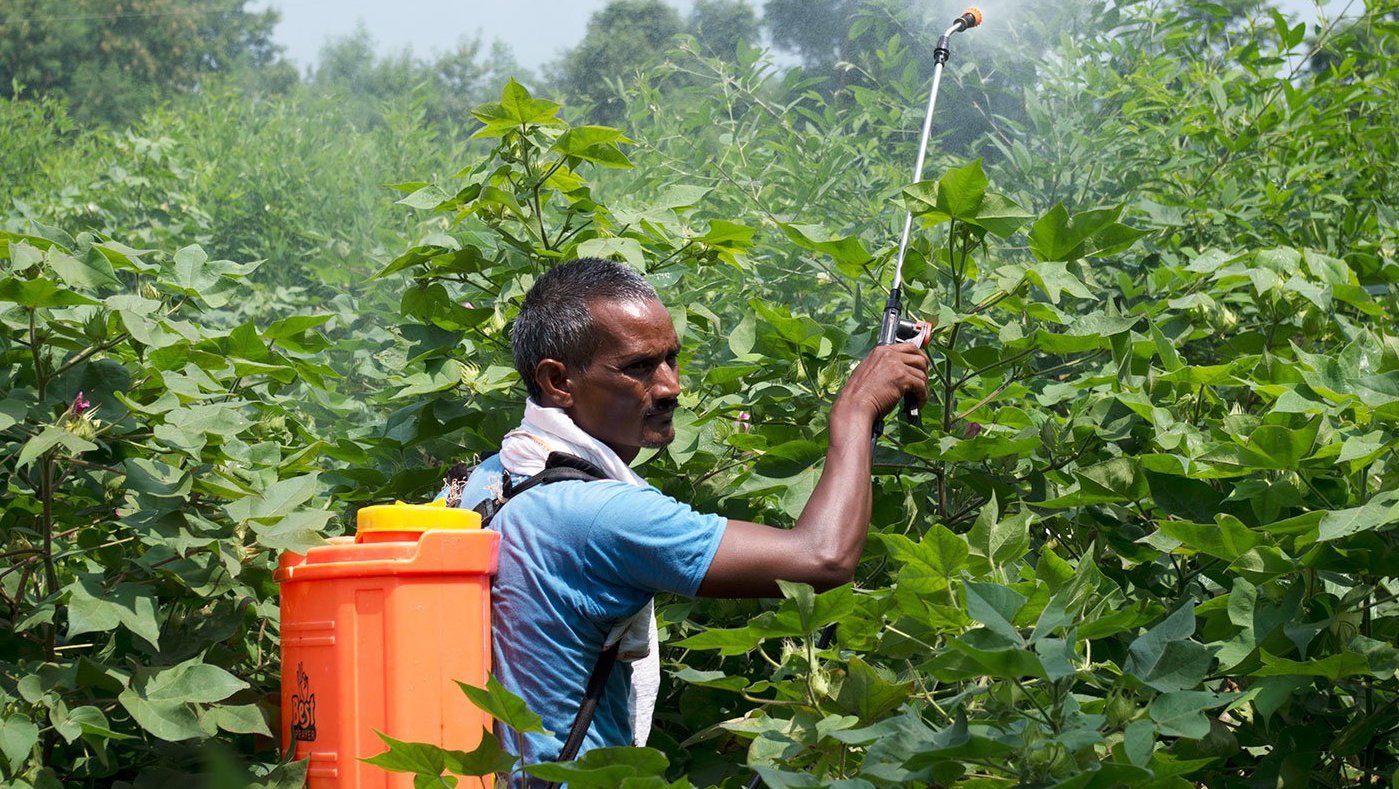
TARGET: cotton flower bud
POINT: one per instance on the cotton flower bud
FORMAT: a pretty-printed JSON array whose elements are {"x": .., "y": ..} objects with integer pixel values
[
  {"x": 468, "y": 373},
  {"x": 84, "y": 427},
  {"x": 80, "y": 405}
]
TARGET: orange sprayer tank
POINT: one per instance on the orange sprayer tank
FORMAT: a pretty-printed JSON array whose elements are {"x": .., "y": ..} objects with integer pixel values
[{"x": 376, "y": 632}]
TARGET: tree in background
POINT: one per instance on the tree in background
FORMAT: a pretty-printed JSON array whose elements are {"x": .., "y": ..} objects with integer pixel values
[
  {"x": 449, "y": 84},
  {"x": 815, "y": 31},
  {"x": 719, "y": 26},
  {"x": 627, "y": 37},
  {"x": 112, "y": 62}
]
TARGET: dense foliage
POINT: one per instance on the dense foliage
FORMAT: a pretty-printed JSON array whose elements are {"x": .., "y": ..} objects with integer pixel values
[{"x": 1143, "y": 536}]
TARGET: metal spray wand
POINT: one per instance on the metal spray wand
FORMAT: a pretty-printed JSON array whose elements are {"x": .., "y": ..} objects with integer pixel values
[{"x": 894, "y": 327}]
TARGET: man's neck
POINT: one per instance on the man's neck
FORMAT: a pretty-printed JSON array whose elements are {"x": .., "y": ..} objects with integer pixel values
[{"x": 627, "y": 454}]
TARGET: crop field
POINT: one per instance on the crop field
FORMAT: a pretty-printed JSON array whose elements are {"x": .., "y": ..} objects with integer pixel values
[{"x": 1146, "y": 533}]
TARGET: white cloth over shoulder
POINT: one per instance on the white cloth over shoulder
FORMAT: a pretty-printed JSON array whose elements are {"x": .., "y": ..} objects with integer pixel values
[{"x": 524, "y": 451}]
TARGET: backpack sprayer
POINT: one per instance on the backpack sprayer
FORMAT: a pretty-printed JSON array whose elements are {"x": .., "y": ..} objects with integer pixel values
[{"x": 896, "y": 328}]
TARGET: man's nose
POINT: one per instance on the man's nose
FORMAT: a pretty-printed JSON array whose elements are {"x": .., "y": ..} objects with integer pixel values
[{"x": 666, "y": 384}]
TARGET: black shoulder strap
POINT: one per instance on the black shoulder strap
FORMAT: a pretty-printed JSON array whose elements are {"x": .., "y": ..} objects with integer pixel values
[
  {"x": 558, "y": 467},
  {"x": 562, "y": 467}
]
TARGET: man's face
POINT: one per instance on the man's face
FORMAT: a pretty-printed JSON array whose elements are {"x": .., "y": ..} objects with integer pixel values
[{"x": 627, "y": 397}]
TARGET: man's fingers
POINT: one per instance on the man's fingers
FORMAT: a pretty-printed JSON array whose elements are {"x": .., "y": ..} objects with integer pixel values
[{"x": 917, "y": 385}]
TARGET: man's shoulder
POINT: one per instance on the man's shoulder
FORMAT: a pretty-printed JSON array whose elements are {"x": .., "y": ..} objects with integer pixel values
[{"x": 576, "y": 501}]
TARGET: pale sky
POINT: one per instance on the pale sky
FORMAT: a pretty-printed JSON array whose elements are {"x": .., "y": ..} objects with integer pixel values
[{"x": 538, "y": 31}]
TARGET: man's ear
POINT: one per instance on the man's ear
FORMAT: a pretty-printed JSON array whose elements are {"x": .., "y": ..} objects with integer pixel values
[{"x": 554, "y": 386}]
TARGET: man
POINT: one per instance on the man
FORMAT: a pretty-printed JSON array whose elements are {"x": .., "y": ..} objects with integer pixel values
[{"x": 581, "y": 561}]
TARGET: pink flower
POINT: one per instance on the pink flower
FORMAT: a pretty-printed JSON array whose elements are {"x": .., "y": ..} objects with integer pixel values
[
  {"x": 80, "y": 404},
  {"x": 973, "y": 429},
  {"x": 744, "y": 422}
]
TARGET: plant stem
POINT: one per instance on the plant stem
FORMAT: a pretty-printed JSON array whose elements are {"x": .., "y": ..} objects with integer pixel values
[{"x": 89, "y": 352}]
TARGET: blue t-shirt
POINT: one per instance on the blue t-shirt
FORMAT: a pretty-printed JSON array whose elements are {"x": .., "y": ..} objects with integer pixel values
[{"x": 575, "y": 559}]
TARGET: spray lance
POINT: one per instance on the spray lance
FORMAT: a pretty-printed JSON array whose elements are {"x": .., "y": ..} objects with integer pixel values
[{"x": 894, "y": 327}]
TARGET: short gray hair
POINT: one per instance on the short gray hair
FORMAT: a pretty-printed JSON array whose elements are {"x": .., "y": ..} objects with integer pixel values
[{"x": 555, "y": 321}]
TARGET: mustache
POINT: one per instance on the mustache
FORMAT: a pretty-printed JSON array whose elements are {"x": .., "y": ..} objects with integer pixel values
[{"x": 663, "y": 407}]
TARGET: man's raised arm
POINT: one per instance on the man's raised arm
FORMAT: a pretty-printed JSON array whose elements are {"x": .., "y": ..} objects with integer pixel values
[{"x": 824, "y": 546}]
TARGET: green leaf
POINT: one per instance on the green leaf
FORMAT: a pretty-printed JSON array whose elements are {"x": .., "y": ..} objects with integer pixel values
[
  {"x": 35, "y": 293},
  {"x": 961, "y": 191},
  {"x": 1378, "y": 512},
  {"x": 1119, "y": 479},
  {"x": 961, "y": 194},
  {"x": 1058, "y": 237},
  {"x": 1054, "y": 278},
  {"x": 1228, "y": 538},
  {"x": 932, "y": 561},
  {"x": 628, "y": 249},
  {"x": 52, "y": 437},
  {"x": 1138, "y": 740},
  {"x": 789, "y": 458},
  {"x": 598, "y": 144},
  {"x": 1165, "y": 349},
  {"x": 1165, "y": 658},
  {"x": 1181, "y": 713},
  {"x": 995, "y": 606},
  {"x": 604, "y": 768},
  {"x": 239, "y": 719},
  {"x": 289, "y": 775},
  {"x": 295, "y": 532},
  {"x": 125, "y": 258},
  {"x": 91, "y": 272},
  {"x": 18, "y": 736},
  {"x": 279, "y": 498},
  {"x": 92, "y": 609},
  {"x": 1333, "y": 667},
  {"x": 12, "y": 412},
  {"x": 1000, "y": 540},
  {"x": 486, "y": 758},
  {"x": 163, "y": 703},
  {"x": 90, "y": 720},
  {"x": 419, "y": 758},
  {"x": 516, "y": 109},
  {"x": 168, "y": 720},
  {"x": 425, "y": 198},
  {"x": 868, "y": 695},
  {"x": 848, "y": 252},
  {"x": 1000, "y": 215},
  {"x": 504, "y": 706},
  {"x": 817, "y": 610},
  {"x": 191, "y": 682}
]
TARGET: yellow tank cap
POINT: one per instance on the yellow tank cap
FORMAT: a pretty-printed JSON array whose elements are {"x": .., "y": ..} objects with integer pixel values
[{"x": 401, "y": 516}]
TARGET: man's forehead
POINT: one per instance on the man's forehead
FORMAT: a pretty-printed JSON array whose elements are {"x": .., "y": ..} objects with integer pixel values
[{"x": 632, "y": 324}]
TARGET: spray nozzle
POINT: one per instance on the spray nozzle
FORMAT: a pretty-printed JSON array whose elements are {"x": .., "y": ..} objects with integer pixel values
[{"x": 969, "y": 19}]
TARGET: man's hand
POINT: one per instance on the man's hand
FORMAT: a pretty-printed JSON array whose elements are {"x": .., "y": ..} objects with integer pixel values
[
  {"x": 880, "y": 382},
  {"x": 824, "y": 546}
]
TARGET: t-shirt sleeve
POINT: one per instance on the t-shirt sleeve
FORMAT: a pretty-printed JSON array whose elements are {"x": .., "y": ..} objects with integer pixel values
[{"x": 645, "y": 539}]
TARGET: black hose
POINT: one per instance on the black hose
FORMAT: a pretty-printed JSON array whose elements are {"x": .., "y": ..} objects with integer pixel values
[{"x": 596, "y": 684}]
